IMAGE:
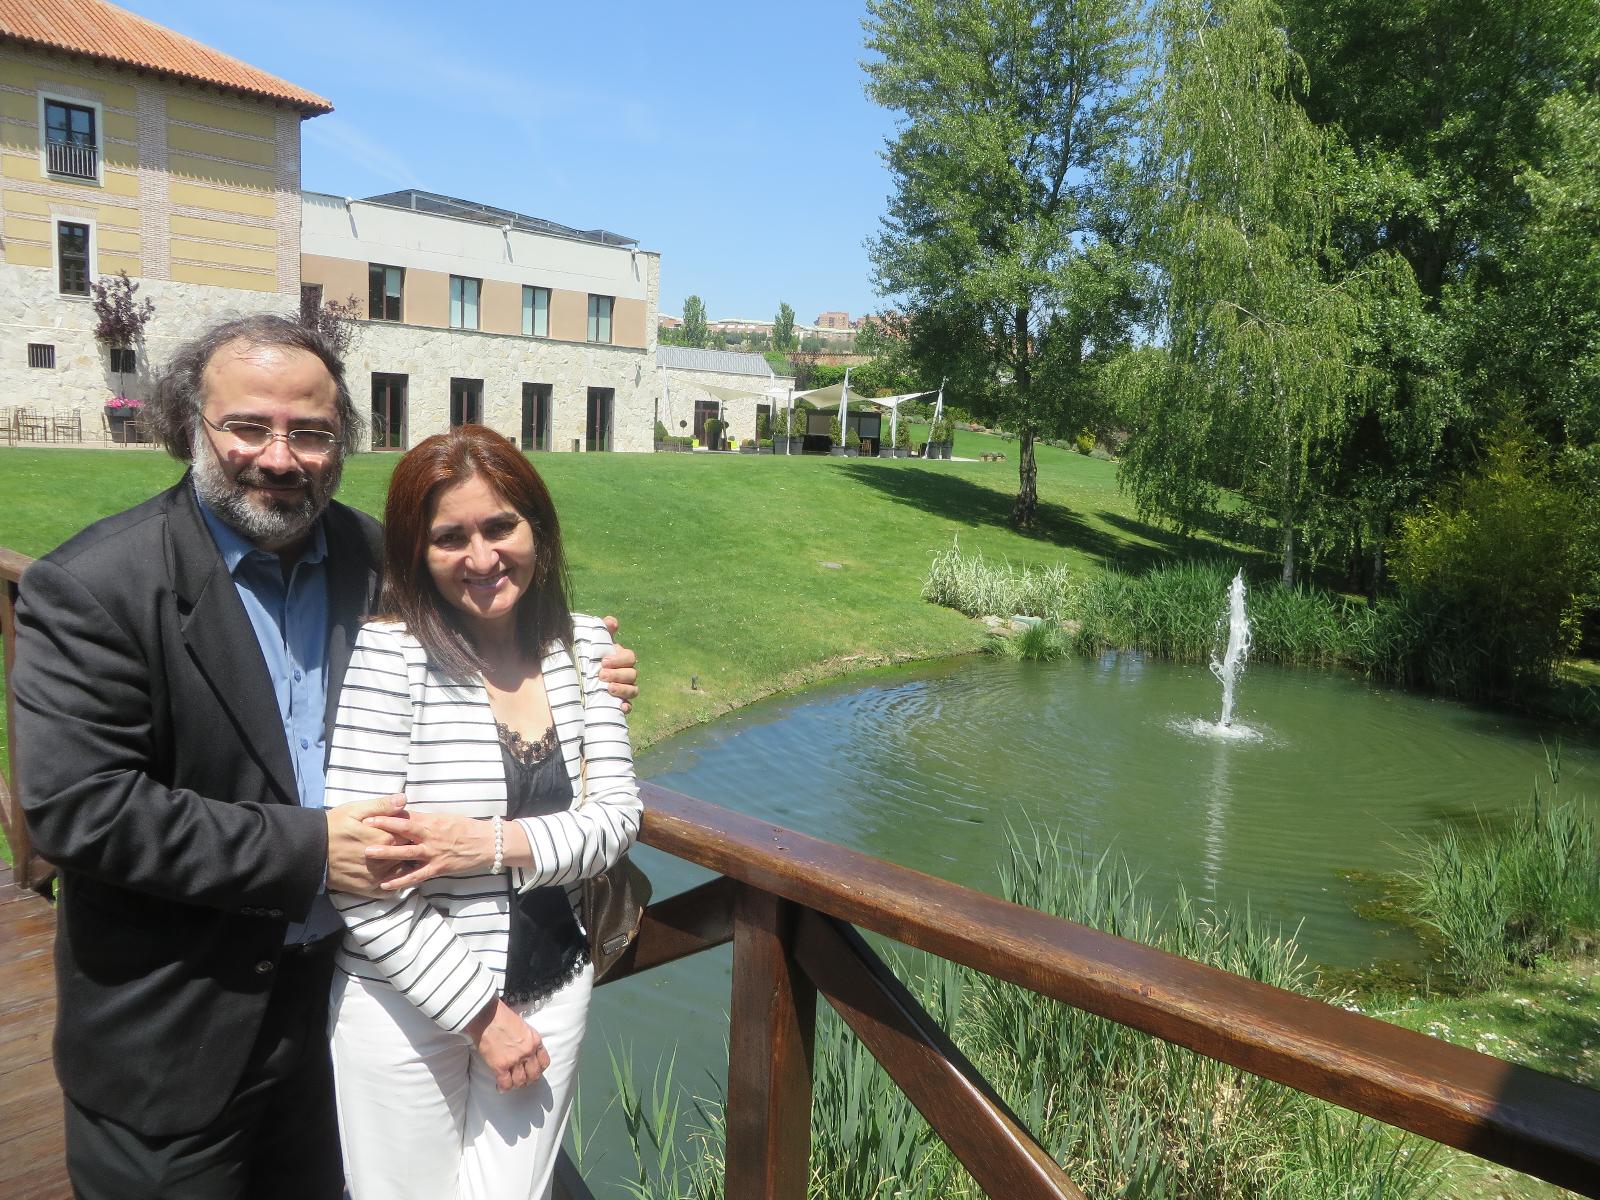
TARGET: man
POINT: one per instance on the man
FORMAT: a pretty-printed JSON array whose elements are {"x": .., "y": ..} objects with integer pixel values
[{"x": 178, "y": 666}]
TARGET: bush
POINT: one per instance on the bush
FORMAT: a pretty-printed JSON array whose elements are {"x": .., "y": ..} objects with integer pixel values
[
  {"x": 1496, "y": 572},
  {"x": 799, "y": 421},
  {"x": 763, "y": 425},
  {"x": 902, "y": 436},
  {"x": 714, "y": 430},
  {"x": 661, "y": 432},
  {"x": 1084, "y": 443},
  {"x": 852, "y": 440}
]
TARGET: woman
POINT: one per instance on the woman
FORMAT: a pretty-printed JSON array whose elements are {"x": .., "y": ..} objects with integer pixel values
[{"x": 461, "y": 1003}]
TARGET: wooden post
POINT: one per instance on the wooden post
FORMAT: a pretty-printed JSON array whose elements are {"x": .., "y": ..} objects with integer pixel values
[
  {"x": 771, "y": 1026},
  {"x": 25, "y": 869}
]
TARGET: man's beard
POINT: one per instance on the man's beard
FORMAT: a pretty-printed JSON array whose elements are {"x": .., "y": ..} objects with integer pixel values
[{"x": 266, "y": 521}]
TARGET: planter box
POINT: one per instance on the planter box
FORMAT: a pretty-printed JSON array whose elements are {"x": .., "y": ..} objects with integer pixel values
[{"x": 747, "y": 449}]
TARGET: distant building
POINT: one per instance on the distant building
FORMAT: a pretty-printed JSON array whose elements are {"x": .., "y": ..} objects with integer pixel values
[
  {"x": 128, "y": 147},
  {"x": 479, "y": 314},
  {"x": 833, "y": 320},
  {"x": 668, "y": 322},
  {"x": 686, "y": 405}
]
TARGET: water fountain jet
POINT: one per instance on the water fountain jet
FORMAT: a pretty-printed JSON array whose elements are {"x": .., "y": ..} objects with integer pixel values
[{"x": 1228, "y": 669}]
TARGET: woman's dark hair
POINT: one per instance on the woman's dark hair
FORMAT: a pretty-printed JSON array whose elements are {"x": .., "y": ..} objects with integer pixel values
[
  {"x": 173, "y": 414},
  {"x": 426, "y": 471}
]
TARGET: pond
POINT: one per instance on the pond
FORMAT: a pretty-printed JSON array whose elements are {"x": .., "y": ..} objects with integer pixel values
[{"x": 928, "y": 766}]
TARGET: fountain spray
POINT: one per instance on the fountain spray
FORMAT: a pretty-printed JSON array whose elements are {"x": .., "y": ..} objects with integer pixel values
[{"x": 1231, "y": 665}]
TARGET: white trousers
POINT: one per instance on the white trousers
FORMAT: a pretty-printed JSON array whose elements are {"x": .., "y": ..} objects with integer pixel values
[{"x": 419, "y": 1115}]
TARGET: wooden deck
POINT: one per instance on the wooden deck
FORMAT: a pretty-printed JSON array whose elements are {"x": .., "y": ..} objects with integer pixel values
[{"x": 32, "y": 1166}]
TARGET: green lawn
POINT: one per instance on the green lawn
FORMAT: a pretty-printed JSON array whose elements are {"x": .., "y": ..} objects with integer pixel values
[{"x": 735, "y": 576}]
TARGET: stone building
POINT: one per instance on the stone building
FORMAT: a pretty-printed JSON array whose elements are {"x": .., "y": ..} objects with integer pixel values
[
  {"x": 127, "y": 147},
  {"x": 474, "y": 313},
  {"x": 687, "y": 404}
]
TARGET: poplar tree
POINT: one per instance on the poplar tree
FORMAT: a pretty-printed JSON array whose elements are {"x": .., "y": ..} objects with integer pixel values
[
  {"x": 693, "y": 331},
  {"x": 783, "y": 328},
  {"x": 997, "y": 242}
]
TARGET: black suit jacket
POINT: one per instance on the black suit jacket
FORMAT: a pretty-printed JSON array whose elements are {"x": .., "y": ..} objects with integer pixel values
[{"x": 154, "y": 772}]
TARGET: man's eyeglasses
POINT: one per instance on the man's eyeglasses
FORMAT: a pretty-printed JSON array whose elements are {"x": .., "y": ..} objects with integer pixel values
[{"x": 306, "y": 443}]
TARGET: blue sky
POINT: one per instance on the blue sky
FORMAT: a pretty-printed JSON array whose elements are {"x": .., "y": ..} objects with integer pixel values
[{"x": 733, "y": 138}]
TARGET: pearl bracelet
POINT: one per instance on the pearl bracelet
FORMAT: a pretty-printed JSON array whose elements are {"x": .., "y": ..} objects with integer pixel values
[{"x": 499, "y": 866}]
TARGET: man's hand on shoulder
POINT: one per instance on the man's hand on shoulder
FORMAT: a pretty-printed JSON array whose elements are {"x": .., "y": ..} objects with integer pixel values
[
  {"x": 348, "y": 838},
  {"x": 619, "y": 670}
]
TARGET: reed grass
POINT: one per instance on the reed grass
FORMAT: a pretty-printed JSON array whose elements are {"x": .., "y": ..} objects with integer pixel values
[
  {"x": 1178, "y": 611},
  {"x": 1125, "y": 1113},
  {"x": 1525, "y": 888}
]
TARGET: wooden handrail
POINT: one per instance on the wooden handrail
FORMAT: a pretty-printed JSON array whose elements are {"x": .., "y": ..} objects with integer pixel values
[{"x": 1514, "y": 1115}]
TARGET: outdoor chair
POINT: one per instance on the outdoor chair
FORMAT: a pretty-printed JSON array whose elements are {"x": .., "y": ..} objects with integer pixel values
[
  {"x": 32, "y": 426},
  {"x": 67, "y": 426}
]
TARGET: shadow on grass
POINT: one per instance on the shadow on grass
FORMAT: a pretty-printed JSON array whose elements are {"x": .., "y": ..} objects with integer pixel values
[{"x": 956, "y": 498}]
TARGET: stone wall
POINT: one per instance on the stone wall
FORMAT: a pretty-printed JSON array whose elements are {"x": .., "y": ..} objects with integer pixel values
[
  {"x": 32, "y": 311},
  {"x": 430, "y": 358}
]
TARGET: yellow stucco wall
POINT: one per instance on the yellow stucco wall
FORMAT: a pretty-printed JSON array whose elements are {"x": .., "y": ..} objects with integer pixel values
[
  {"x": 222, "y": 205},
  {"x": 340, "y": 278}
]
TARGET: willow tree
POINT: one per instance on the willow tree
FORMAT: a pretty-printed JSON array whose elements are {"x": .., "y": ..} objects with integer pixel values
[
  {"x": 1011, "y": 116},
  {"x": 1253, "y": 368}
]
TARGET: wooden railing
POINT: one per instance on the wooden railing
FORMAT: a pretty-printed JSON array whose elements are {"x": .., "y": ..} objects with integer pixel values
[{"x": 792, "y": 906}]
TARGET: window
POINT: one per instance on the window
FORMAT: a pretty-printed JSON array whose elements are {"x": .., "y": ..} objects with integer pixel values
[
  {"x": 466, "y": 402},
  {"x": 388, "y": 411},
  {"x": 385, "y": 286},
  {"x": 536, "y": 416},
  {"x": 535, "y": 312},
  {"x": 72, "y": 257},
  {"x": 124, "y": 361},
  {"x": 41, "y": 354},
  {"x": 600, "y": 319},
  {"x": 71, "y": 148},
  {"x": 597, "y": 428},
  {"x": 464, "y": 302}
]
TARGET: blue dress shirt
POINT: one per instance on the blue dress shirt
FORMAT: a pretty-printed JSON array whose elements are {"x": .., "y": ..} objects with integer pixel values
[{"x": 290, "y": 619}]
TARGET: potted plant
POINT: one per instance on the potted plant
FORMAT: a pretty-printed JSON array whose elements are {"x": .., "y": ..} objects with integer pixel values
[
  {"x": 902, "y": 441},
  {"x": 764, "y": 446},
  {"x": 119, "y": 411},
  {"x": 835, "y": 440},
  {"x": 714, "y": 430},
  {"x": 799, "y": 426},
  {"x": 748, "y": 446},
  {"x": 852, "y": 444}
]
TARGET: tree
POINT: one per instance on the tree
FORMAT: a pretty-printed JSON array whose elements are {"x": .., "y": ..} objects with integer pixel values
[
  {"x": 1451, "y": 110},
  {"x": 336, "y": 320},
  {"x": 120, "y": 319},
  {"x": 998, "y": 243},
  {"x": 783, "y": 328},
  {"x": 1259, "y": 320},
  {"x": 693, "y": 330}
]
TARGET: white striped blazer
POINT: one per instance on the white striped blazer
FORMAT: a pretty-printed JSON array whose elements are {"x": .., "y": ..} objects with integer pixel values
[{"x": 404, "y": 728}]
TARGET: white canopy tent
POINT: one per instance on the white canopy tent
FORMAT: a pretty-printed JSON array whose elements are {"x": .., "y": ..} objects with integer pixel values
[{"x": 837, "y": 396}]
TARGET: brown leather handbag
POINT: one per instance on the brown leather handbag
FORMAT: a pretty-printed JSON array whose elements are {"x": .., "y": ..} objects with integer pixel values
[{"x": 614, "y": 900}]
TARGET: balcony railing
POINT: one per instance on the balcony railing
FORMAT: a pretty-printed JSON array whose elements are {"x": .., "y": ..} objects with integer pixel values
[{"x": 72, "y": 160}]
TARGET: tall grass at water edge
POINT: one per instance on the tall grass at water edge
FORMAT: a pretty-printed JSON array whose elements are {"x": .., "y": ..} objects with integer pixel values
[
  {"x": 1499, "y": 898},
  {"x": 1176, "y": 612},
  {"x": 1127, "y": 1115}
]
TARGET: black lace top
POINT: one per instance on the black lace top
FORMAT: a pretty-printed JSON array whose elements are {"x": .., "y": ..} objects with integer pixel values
[{"x": 547, "y": 948}]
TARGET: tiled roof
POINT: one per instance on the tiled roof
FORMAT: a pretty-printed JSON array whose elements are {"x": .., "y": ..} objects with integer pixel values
[
  {"x": 727, "y": 362},
  {"x": 104, "y": 31}
]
